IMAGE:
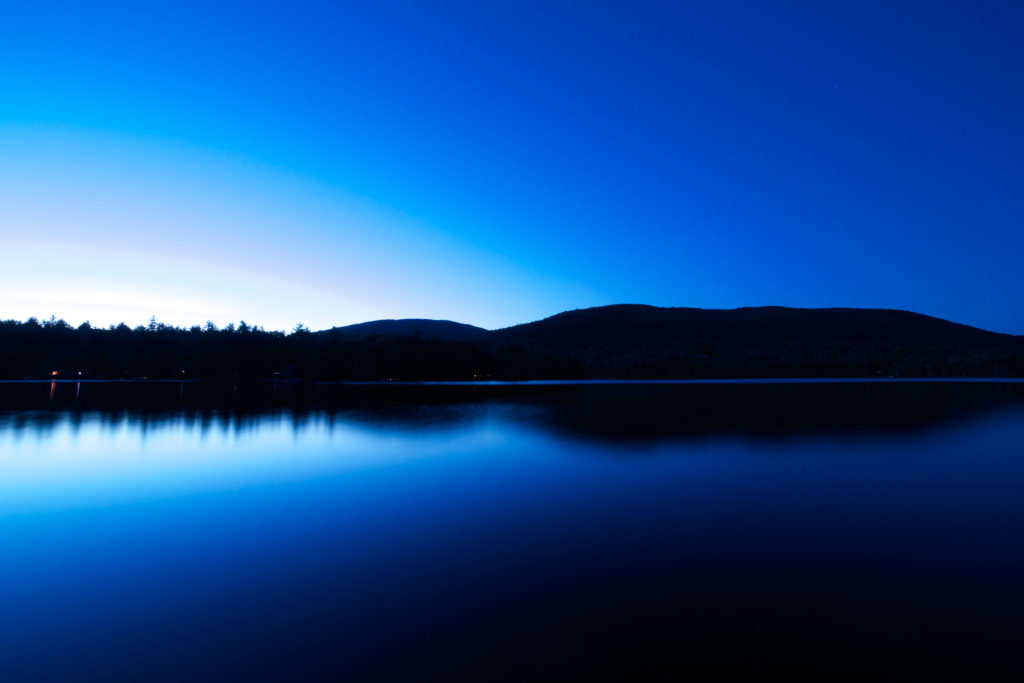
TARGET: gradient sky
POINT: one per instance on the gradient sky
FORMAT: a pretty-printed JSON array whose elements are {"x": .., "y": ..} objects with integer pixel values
[{"x": 329, "y": 163}]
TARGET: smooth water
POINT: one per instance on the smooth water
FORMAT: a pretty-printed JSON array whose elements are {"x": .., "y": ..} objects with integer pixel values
[{"x": 215, "y": 531}]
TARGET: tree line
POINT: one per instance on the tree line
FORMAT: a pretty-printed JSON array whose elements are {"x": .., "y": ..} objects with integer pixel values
[{"x": 56, "y": 350}]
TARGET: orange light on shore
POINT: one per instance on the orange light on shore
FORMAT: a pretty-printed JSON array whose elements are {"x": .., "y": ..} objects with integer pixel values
[{"x": 54, "y": 373}]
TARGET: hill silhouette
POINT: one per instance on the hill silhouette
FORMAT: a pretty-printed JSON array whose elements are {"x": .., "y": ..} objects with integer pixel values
[
  {"x": 624, "y": 341},
  {"x": 445, "y": 330},
  {"x": 638, "y": 325},
  {"x": 637, "y": 340}
]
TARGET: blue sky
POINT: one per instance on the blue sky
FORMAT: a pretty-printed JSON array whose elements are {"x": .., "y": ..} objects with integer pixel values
[{"x": 495, "y": 163}]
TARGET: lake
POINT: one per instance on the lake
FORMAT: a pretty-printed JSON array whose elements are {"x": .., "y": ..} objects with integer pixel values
[{"x": 213, "y": 531}]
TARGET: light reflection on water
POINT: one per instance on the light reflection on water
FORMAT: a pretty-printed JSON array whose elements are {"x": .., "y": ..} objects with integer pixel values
[
  {"x": 188, "y": 532},
  {"x": 72, "y": 460}
]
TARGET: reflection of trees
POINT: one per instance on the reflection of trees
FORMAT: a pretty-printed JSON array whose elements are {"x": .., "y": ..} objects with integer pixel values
[{"x": 607, "y": 413}]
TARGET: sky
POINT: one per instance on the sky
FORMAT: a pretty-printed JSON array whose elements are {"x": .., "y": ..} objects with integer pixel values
[{"x": 496, "y": 163}]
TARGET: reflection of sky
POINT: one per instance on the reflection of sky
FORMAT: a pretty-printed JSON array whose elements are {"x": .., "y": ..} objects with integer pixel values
[
  {"x": 91, "y": 461},
  {"x": 335, "y": 545},
  {"x": 54, "y": 461}
]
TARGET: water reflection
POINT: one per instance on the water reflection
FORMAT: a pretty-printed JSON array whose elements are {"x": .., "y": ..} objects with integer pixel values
[
  {"x": 183, "y": 531},
  {"x": 623, "y": 414}
]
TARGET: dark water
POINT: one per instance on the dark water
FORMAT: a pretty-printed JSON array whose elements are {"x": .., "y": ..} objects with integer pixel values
[{"x": 166, "y": 532}]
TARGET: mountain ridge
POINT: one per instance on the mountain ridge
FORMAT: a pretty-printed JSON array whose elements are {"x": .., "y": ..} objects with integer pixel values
[
  {"x": 450, "y": 329},
  {"x": 447, "y": 330},
  {"x": 640, "y": 340},
  {"x": 629, "y": 341},
  {"x": 761, "y": 314}
]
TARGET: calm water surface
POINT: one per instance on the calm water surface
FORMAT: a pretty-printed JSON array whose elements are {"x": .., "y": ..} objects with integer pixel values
[{"x": 168, "y": 532}]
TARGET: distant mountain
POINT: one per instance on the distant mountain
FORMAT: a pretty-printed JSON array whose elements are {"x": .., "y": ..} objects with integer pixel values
[
  {"x": 445, "y": 330},
  {"x": 624, "y": 341},
  {"x": 633, "y": 340},
  {"x": 639, "y": 340},
  {"x": 637, "y": 326}
]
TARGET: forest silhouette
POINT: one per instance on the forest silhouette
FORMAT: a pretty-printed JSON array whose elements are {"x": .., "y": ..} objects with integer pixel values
[{"x": 626, "y": 341}]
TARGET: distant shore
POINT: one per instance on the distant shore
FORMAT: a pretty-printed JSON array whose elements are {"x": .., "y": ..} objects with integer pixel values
[
  {"x": 624, "y": 342},
  {"x": 540, "y": 382}
]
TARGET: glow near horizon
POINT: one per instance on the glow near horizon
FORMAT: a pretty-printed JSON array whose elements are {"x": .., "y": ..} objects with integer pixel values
[
  {"x": 495, "y": 163},
  {"x": 118, "y": 228}
]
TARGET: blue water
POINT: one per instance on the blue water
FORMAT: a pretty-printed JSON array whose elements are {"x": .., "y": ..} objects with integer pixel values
[{"x": 192, "y": 532}]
